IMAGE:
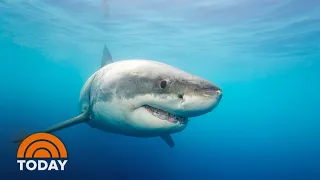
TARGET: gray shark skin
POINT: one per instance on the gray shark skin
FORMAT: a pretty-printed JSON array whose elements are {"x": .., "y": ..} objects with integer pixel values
[{"x": 142, "y": 98}]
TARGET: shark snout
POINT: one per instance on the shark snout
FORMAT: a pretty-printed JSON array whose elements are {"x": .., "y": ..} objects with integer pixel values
[
  {"x": 201, "y": 101},
  {"x": 213, "y": 95},
  {"x": 212, "y": 91}
]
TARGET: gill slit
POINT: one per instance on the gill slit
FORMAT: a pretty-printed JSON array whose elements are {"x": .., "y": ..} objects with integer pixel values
[{"x": 90, "y": 99}]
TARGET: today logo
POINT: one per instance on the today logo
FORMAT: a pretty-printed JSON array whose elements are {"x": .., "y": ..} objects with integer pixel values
[{"x": 42, "y": 151}]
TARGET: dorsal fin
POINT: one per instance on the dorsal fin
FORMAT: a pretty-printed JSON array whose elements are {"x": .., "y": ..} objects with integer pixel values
[{"x": 106, "y": 57}]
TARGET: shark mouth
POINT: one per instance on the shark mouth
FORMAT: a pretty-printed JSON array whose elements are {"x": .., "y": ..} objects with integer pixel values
[{"x": 166, "y": 115}]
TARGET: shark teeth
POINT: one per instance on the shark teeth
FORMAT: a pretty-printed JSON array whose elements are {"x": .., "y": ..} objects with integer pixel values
[{"x": 166, "y": 115}]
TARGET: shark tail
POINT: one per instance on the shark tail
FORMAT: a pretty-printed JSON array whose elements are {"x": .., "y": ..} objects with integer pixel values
[{"x": 84, "y": 117}]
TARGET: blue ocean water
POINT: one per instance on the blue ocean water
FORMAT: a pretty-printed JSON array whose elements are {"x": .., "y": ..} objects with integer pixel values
[{"x": 263, "y": 54}]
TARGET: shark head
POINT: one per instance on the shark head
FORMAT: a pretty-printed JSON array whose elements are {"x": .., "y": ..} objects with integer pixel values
[{"x": 150, "y": 98}]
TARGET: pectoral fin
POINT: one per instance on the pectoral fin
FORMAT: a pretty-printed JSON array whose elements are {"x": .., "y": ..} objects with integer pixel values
[
  {"x": 70, "y": 122},
  {"x": 168, "y": 139}
]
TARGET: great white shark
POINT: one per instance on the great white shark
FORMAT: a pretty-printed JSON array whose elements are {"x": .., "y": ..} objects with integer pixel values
[{"x": 142, "y": 98}]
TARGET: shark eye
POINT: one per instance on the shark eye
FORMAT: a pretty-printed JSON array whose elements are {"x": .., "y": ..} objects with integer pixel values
[{"x": 163, "y": 84}]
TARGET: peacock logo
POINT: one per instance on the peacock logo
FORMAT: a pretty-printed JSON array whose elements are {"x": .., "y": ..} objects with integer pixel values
[{"x": 42, "y": 151}]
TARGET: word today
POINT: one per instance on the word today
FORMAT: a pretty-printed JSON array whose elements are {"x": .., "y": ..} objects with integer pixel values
[{"x": 42, "y": 165}]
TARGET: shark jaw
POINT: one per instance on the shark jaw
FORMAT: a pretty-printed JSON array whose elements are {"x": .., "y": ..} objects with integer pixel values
[{"x": 166, "y": 116}]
